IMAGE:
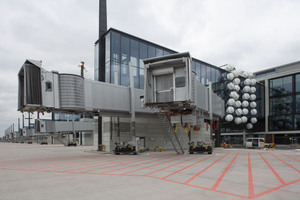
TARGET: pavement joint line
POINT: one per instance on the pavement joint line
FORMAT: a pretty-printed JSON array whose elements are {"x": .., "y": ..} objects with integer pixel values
[
  {"x": 214, "y": 187},
  {"x": 285, "y": 163},
  {"x": 290, "y": 157},
  {"x": 272, "y": 169},
  {"x": 186, "y": 182},
  {"x": 134, "y": 165},
  {"x": 183, "y": 156},
  {"x": 187, "y": 167},
  {"x": 250, "y": 178},
  {"x": 171, "y": 166}
]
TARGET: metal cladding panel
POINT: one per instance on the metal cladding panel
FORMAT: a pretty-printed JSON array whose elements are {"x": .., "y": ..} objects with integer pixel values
[
  {"x": 108, "y": 97},
  {"x": 65, "y": 126},
  {"x": 47, "y": 89},
  {"x": 201, "y": 94},
  {"x": 71, "y": 93}
]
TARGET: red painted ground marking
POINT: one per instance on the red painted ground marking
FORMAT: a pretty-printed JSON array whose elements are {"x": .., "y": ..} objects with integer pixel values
[
  {"x": 133, "y": 165},
  {"x": 154, "y": 165},
  {"x": 123, "y": 163},
  {"x": 274, "y": 172},
  {"x": 250, "y": 178},
  {"x": 209, "y": 189},
  {"x": 290, "y": 157},
  {"x": 285, "y": 163},
  {"x": 186, "y": 167},
  {"x": 276, "y": 188},
  {"x": 171, "y": 166},
  {"x": 204, "y": 188},
  {"x": 214, "y": 187},
  {"x": 205, "y": 169}
]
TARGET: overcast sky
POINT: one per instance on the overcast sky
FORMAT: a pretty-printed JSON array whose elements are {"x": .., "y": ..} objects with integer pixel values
[{"x": 251, "y": 34}]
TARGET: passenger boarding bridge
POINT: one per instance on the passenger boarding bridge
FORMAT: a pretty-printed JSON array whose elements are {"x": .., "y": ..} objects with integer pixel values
[{"x": 170, "y": 88}]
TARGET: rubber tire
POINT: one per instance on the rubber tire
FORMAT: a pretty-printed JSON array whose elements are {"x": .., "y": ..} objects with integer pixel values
[
  {"x": 210, "y": 152},
  {"x": 191, "y": 152}
]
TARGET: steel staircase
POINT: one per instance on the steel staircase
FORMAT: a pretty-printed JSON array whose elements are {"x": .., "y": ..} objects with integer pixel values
[{"x": 175, "y": 138}]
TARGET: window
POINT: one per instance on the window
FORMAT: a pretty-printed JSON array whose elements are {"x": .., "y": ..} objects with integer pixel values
[
  {"x": 278, "y": 123},
  {"x": 134, "y": 52},
  {"x": 180, "y": 82},
  {"x": 297, "y": 100},
  {"x": 151, "y": 52},
  {"x": 107, "y": 48},
  {"x": 115, "y": 66},
  {"x": 203, "y": 74},
  {"x": 124, "y": 50},
  {"x": 297, "y": 80},
  {"x": 281, "y": 86},
  {"x": 115, "y": 47},
  {"x": 193, "y": 66},
  {"x": 198, "y": 71},
  {"x": 143, "y": 54},
  {"x": 125, "y": 75},
  {"x": 281, "y": 105},
  {"x": 48, "y": 86},
  {"x": 159, "y": 52}
]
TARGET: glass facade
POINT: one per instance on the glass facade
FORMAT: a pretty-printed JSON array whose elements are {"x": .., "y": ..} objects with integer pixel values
[
  {"x": 121, "y": 48},
  {"x": 284, "y": 103}
]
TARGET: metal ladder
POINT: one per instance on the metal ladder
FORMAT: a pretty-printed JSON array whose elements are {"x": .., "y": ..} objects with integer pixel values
[
  {"x": 58, "y": 137},
  {"x": 176, "y": 139}
]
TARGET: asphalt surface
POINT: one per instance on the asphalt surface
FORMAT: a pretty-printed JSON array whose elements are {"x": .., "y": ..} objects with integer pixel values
[{"x": 32, "y": 171}]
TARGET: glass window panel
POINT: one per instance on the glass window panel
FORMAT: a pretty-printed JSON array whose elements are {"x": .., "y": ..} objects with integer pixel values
[
  {"x": 124, "y": 50},
  {"x": 107, "y": 48},
  {"x": 115, "y": 47},
  {"x": 114, "y": 66},
  {"x": 193, "y": 66},
  {"x": 198, "y": 71},
  {"x": 159, "y": 52},
  {"x": 143, "y": 54},
  {"x": 142, "y": 78},
  {"x": 213, "y": 75},
  {"x": 281, "y": 105},
  {"x": 134, "y": 52},
  {"x": 151, "y": 52},
  {"x": 281, "y": 86},
  {"x": 277, "y": 123},
  {"x": 208, "y": 74},
  {"x": 203, "y": 74},
  {"x": 297, "y": 80},
  {"x": 297, "y": 121},
  {"x": 166, "y": 53},
  {"x": 180, "y": 82},
  {"x": 125, "y": 75},
  {"x": 96, "y": 62},
  {"x": 297, "y": 103},
  {"x": 107, "y": 72},
  {"x": 218, "y": 74}
]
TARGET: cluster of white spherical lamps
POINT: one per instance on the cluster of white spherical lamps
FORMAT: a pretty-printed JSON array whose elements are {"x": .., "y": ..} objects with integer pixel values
[{"x": 240, "y": 105}]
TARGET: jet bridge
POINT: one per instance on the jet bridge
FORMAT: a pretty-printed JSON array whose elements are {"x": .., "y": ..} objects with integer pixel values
[
  {"x": 50, "y": 91},
  {"x": 171, "y": 92}
]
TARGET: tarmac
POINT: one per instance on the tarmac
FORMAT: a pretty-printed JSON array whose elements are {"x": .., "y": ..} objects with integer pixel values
[{"x": 34, "y": 172}]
